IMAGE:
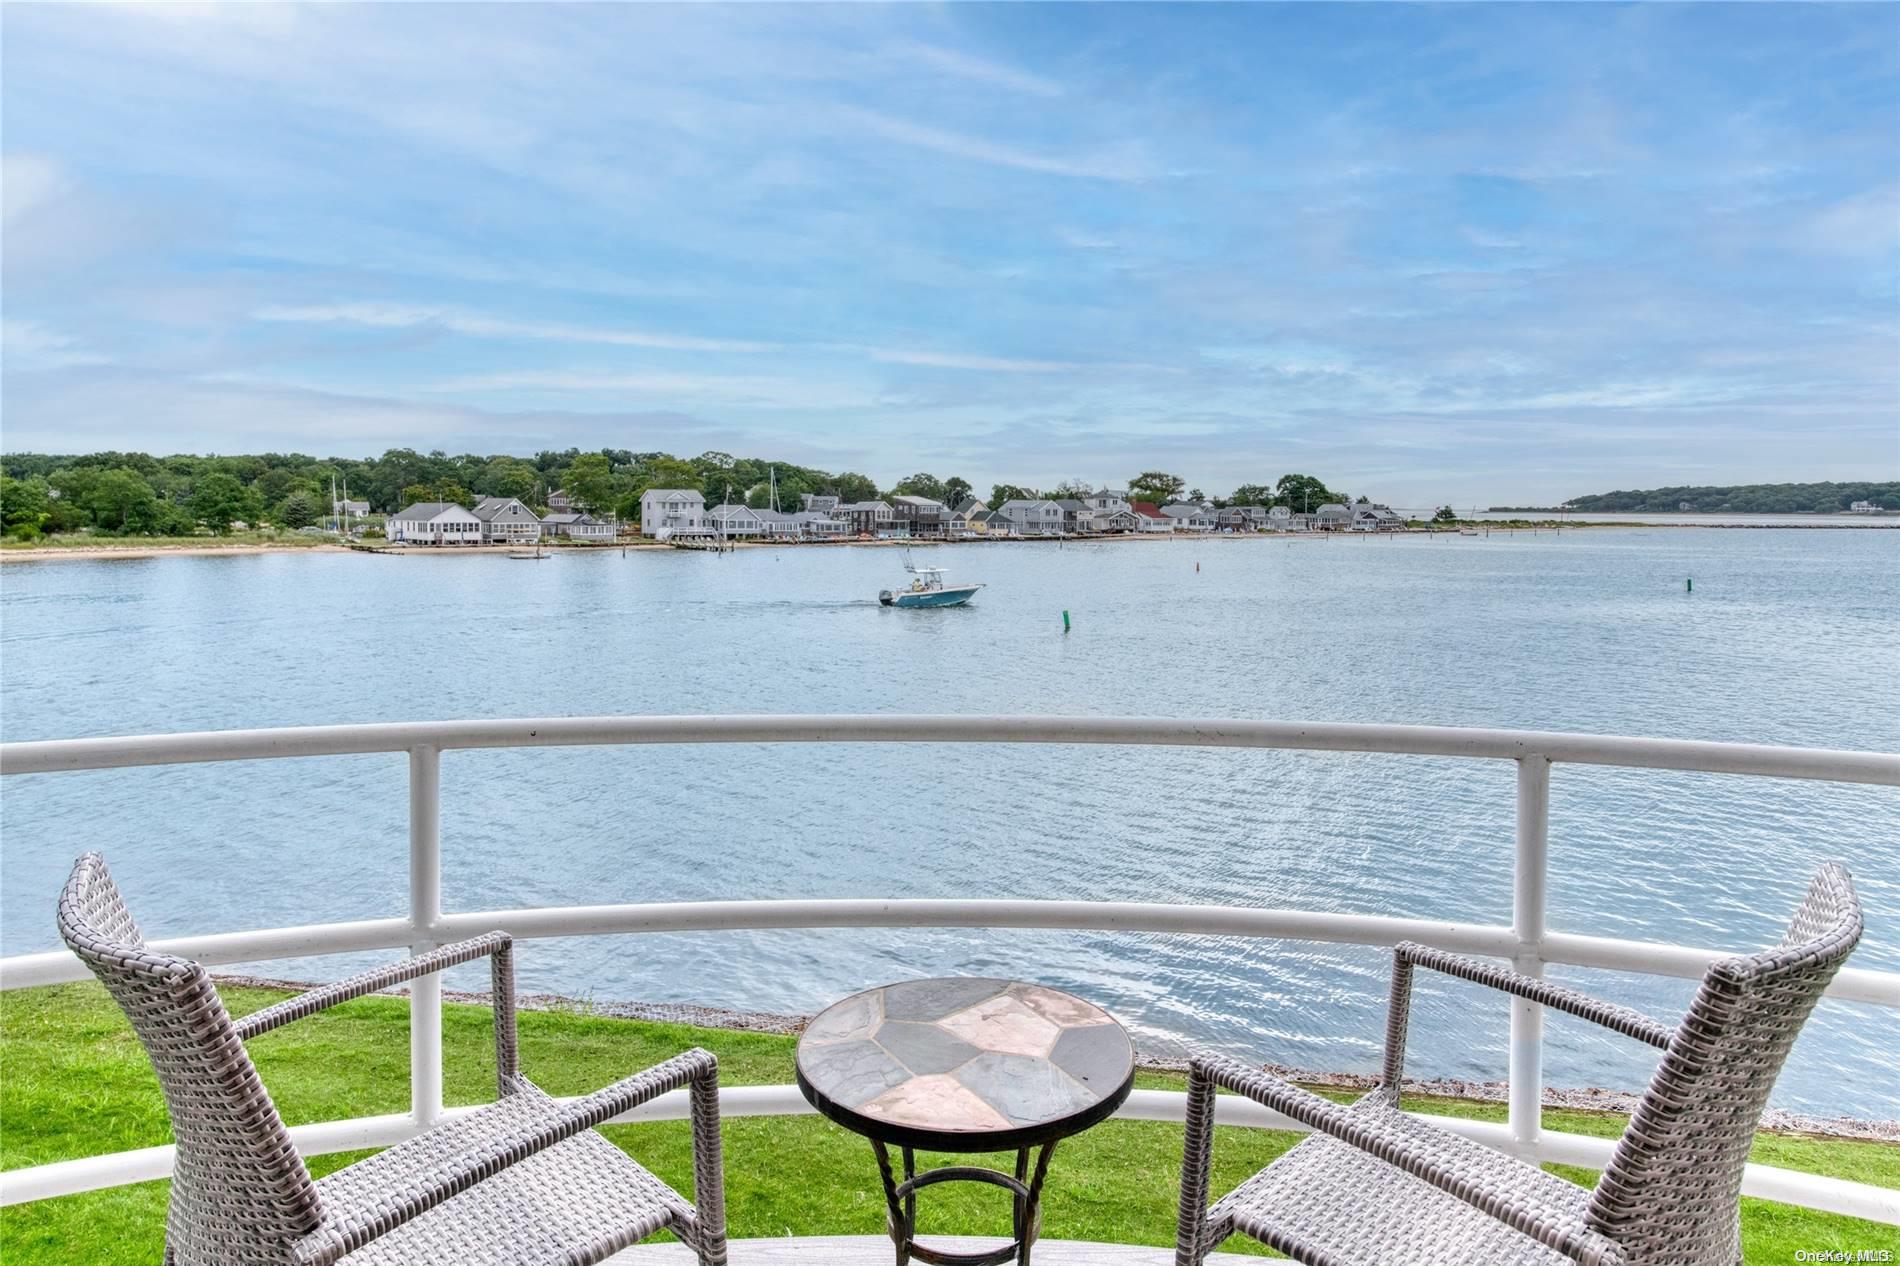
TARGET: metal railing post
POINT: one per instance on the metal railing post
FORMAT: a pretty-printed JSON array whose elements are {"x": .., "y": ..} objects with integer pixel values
[
  {"x": 1529, "y": 895},
  {"x": 425, "y": 913}
]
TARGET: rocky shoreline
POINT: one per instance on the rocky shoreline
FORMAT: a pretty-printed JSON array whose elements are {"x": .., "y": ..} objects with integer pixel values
[{"x": 1586, "y": 1099}]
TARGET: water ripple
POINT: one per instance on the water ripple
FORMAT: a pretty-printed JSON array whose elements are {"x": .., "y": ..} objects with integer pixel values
[{"x": 1789, "y": 637}]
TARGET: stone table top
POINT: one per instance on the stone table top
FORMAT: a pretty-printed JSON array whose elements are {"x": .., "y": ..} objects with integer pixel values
[{"x": 965, "y": 1064}]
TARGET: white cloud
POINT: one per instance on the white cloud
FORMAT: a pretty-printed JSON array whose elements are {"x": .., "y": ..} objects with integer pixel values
[
  {"x": 141, "y": 412},
  {"x": 673, "y": 390},
  {"x": 57, "y": 225},
  {"x": 475, "y": 325},
  {"x": 182, "y": 12},
  {"x": 1489, "y": 240},
  {"x": 28, "y": 345},
  {"x": 1124, "y": 162},
  {"x": 1868, "y": 223},
  {"x": 1086, "y": 241},
  {"x": 949, "y": 360},
  {"x": 28, "y": 182},
  {"x": 1685, "y": 393},
  {"x": 31, "y": 336},
  {"x": 965, "y": 66}
]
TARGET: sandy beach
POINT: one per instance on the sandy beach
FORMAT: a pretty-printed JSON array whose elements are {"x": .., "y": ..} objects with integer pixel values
[{"x": 57, "y": 553}]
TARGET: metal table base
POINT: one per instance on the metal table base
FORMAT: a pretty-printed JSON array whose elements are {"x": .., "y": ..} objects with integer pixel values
[{"x": 1026, "y": 1205}]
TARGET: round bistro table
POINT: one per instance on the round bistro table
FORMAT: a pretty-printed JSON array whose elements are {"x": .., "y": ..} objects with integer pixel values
[{"x": 964, "y": 1064}]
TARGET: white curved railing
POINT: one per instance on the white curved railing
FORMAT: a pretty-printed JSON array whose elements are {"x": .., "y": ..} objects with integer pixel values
[{"x": 1528, "y": 942}]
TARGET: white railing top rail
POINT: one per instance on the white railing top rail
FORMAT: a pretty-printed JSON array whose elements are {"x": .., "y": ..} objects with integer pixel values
[
  {"x": 54, "y": 967},
  {"x": 53, "y": 755}
]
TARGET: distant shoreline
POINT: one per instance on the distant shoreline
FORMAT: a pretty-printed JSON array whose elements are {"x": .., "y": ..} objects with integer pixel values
[
  {"x": 1817, "y": 515},
  {"x": 44, "y": 552}
]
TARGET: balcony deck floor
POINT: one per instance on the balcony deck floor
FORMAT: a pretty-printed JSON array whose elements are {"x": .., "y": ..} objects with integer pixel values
[{"x": 875, "y": 1250}]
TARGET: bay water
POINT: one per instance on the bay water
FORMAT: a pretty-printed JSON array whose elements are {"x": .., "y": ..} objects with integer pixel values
[{"x": 1787, "y": 637}]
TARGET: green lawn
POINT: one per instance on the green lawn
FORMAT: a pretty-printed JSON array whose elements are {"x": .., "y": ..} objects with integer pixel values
[{"x": 73, "y": 1082}]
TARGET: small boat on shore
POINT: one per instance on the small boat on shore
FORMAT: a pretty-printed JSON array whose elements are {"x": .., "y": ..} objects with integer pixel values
[{"x": 928, "y": 590}]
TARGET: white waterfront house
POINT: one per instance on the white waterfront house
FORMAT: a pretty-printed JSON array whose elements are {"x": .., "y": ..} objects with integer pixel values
[
  {"x": 1280, "y": 518},
  {"x": 434, "y": 523},
  {"x": 1332, "y": 517},
  {"x": 1109, "y": 512},
  {"x": 1109, "y": 501},
  {"x": 507, "y": 521},
  {"x": 816, "y": 525},
  {"x": 1148, "y": 517},
  {"x": 1376, "y": 518},
  {"x": 1189, "y": 516},
  {"x": 777, "y": 525},
  {"x": 576, "y": 525},
  {"x": 664, "y": 511},
  {"x": 734, "y": 520},
  {"x": 1033, "y": 517},
  {"x": 1863, "y": 507},
  {"x": 820, "y": 503},
  {"x": 1242, "y": 519}
]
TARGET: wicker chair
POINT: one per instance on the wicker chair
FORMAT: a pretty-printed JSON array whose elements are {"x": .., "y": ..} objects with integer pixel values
[
  {"x": 1375, "y": 1185},
  {"x": 525, "y": 1179}
]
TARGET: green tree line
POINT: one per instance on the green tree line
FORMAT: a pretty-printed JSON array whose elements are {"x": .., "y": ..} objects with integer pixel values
[
  {"x": 1824, "y": 498},
  {"x": 138, "y": 494}
]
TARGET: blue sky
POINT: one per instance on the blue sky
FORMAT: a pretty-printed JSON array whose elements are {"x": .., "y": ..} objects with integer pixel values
[{"x": 1471, "y": 253}]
